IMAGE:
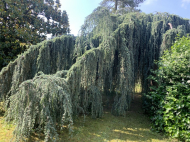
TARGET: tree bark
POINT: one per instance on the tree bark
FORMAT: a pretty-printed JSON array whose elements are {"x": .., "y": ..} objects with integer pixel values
[{"x": 116, "y": 2}]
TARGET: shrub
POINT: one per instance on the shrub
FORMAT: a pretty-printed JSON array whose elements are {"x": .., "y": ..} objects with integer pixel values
[{"x": 169, "y": 103}]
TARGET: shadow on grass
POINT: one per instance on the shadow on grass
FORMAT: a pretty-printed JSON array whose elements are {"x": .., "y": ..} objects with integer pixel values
[{"x": 134, "y": 127}]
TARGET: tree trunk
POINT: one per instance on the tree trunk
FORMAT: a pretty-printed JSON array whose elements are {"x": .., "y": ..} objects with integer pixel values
[{"x": 116, "y": 2}]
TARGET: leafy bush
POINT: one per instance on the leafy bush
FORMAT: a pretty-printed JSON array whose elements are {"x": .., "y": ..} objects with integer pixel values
[{"x": 169, "y": 103}]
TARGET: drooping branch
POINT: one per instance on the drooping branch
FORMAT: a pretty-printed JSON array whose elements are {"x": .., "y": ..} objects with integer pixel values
[{"x": 48, "y": 57}]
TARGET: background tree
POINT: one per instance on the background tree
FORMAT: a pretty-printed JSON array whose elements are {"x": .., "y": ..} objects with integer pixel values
[
  {"x": 28, "y": 21},
  {"x": 118, "y": 4}
]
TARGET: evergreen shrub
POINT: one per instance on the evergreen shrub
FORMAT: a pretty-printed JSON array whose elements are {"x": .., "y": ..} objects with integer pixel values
[{"x": 169, "y": 103}]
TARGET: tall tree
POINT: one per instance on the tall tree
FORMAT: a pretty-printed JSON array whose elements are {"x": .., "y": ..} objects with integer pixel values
[
  {"x": 117, "y": 4},
  {"x": 28, "y": 21}
]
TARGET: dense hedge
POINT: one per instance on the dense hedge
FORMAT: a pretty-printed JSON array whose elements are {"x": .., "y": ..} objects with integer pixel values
[{"x": 169, "y": 102}]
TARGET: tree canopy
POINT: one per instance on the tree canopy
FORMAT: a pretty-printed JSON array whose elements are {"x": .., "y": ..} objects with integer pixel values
[
  {"x": 118, "y": 4},
  {"x": 28, "y": 22}
]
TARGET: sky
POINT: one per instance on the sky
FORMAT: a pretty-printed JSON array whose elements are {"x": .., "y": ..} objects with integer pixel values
[{"x": 77, "y": 10}]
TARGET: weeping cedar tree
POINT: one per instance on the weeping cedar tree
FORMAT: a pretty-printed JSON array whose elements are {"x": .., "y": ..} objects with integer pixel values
[
  {"x": 23, "y": 22},
  {"x": 111, "y": 53}
]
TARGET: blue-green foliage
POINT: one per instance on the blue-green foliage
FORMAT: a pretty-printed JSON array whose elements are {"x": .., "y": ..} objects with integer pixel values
[
  {"x": 48, "y": 56},
  {"x": 40, "y": 104},
  {"x": 169, "y": 102}
]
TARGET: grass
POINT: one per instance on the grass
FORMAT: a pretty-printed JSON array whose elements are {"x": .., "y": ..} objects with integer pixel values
[
  {"x": 5, "y": 128},
  {"x": 5, "y": 131},
  {"x": 134, "y": 127},
  {"x": 138, "y": 88}
]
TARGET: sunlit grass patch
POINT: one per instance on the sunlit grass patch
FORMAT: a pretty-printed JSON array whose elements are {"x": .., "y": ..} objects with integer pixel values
[
  {"x": 138, "y": 88},
  {"x": 6, "y": 130},
  {"x": 114, "y": 129}
]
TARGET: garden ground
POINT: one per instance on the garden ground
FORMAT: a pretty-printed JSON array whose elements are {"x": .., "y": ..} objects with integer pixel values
[{"x": 134, "y": 127}]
